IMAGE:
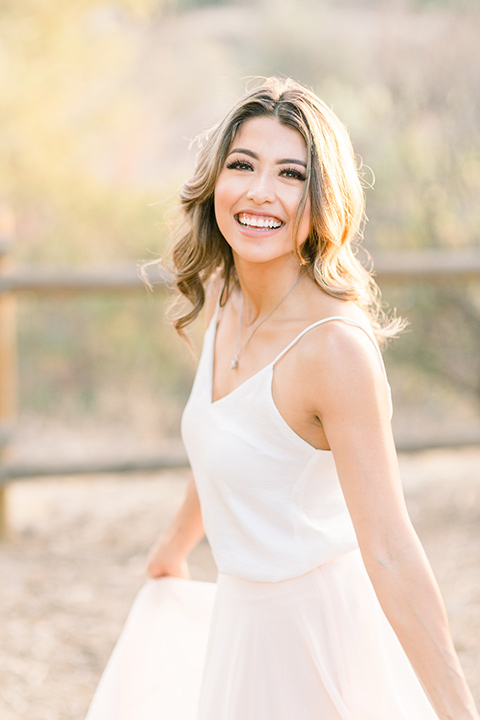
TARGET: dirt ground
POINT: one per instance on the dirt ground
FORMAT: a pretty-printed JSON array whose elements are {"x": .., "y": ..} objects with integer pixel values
[{"x": 76, "y": 557}]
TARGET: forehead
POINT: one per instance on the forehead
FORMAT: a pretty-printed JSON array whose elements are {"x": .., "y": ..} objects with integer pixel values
[{"x": 267, "y": 136}]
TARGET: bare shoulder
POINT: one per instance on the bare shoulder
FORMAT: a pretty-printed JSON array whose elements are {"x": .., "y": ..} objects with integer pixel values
[
  {"x": 341, "y": 354},
  {"x": 340, "y": 375}
]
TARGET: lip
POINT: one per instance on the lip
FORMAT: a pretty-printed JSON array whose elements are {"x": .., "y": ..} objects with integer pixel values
[{"x": 258, "y": 213}]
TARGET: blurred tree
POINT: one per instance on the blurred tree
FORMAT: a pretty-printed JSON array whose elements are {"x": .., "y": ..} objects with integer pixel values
[
  {"x": 62, "y": 70},
  {"x": 99, "y": 100}
]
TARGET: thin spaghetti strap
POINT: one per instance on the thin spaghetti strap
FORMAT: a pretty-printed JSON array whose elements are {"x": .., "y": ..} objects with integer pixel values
[
  {"x": 366, "y": 329},
  {"x": 214, "y": 318}
]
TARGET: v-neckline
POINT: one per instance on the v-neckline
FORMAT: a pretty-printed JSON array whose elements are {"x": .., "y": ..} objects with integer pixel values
[
  {"x": 270, "y": 365},
  {"x": 214, "y": 328}
]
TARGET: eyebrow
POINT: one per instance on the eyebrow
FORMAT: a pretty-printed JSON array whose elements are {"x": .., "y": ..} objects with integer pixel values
[{"x": 283, "y": 161}]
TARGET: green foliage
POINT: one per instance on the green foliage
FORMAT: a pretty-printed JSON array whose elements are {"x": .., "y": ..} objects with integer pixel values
[
  {"x": 104, "y": 357},
  {"x": 99, "y": 103}
]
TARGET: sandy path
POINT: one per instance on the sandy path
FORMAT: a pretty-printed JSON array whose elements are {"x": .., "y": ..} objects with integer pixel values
[{"x": 76, "y": 560}]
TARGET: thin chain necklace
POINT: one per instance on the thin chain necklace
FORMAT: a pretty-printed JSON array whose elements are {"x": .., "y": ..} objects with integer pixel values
[{"x": 239, "y": 350}]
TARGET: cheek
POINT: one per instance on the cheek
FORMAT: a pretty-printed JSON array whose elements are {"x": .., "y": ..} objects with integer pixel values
[
  {"x": 290, "y": 198},
  {"x": 222, "y": 199},
  {"x": 304, "y": 228}
]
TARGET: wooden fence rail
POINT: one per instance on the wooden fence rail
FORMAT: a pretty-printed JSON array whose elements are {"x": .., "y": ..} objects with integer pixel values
[
  {"x": 174, "y": 460},
  {"x": 53, "y": 281},
  {"x": 31, "y": 471},
  {"x": 432, "y": 266}
]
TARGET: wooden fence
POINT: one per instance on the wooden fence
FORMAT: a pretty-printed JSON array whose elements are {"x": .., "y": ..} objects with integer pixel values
[{"x": 432, "y": 266}]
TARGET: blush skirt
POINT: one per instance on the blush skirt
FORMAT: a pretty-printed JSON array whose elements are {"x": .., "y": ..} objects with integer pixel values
[{"x": 315, "y": 647}]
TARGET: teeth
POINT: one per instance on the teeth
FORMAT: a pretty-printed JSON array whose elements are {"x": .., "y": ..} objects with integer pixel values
[{"x": 258, "y": 222}]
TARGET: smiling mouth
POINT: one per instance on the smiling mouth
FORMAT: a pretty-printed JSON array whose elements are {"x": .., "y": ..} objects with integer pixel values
[{"x": 258, "y": 222}]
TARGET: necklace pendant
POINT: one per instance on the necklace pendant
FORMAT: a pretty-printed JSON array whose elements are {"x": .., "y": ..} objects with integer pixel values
[{"x": 234, "y": 363}]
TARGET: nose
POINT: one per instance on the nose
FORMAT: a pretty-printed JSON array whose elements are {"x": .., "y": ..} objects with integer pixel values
[{"x": 261, "y": 188}]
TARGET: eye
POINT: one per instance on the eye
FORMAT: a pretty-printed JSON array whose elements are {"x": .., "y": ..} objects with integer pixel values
[
  {"x": 293, "y": 173},
  {"x": 239, "y": 165}
]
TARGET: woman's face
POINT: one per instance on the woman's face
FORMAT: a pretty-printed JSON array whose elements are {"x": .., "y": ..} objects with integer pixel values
[{"x": 259, "y": 188}]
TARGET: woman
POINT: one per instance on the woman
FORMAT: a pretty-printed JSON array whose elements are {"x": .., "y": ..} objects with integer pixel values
[{"x": 325, "y": 607}]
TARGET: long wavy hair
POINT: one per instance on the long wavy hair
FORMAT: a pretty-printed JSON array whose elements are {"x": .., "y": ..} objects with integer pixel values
[{"x": 337, "y": 207}]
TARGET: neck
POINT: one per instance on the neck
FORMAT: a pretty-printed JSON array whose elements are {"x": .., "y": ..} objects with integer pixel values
[{"x": 264, "y": 284}]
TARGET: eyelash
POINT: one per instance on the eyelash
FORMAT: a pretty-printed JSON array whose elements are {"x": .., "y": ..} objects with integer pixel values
[
  {"x": 239, "y": 165},
  {"x": 293, "y": 172},
  {"x": 243, "y": 164}
]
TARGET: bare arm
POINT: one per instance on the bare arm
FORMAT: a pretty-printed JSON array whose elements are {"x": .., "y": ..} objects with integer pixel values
[
  {"x": 172, "y": 547},
  {"x": 353, "y": 408},
  {"x": 169, "y": 553}
]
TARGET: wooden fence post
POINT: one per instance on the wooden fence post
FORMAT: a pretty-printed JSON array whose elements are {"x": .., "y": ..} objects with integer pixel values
[{"x": 8, "y": 357}]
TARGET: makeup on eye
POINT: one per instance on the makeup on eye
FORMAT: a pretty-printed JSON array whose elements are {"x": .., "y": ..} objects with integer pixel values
[{"x": 292, "y": 172}]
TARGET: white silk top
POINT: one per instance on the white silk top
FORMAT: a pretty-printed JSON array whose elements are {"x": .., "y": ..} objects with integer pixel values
[{"x": 272, "y": 505}]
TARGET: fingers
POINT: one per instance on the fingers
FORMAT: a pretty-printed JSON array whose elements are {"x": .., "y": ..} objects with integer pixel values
[{"x": 157, "y": 569}]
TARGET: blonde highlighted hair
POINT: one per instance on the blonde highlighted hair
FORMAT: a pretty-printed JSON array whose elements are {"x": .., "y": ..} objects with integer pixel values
[{"x": 337, "y": 206}]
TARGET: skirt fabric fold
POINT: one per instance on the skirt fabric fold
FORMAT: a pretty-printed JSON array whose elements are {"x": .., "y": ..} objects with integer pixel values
[
  {"x": 155, "y": 670},
  {"x": 314, "y": 647}
]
